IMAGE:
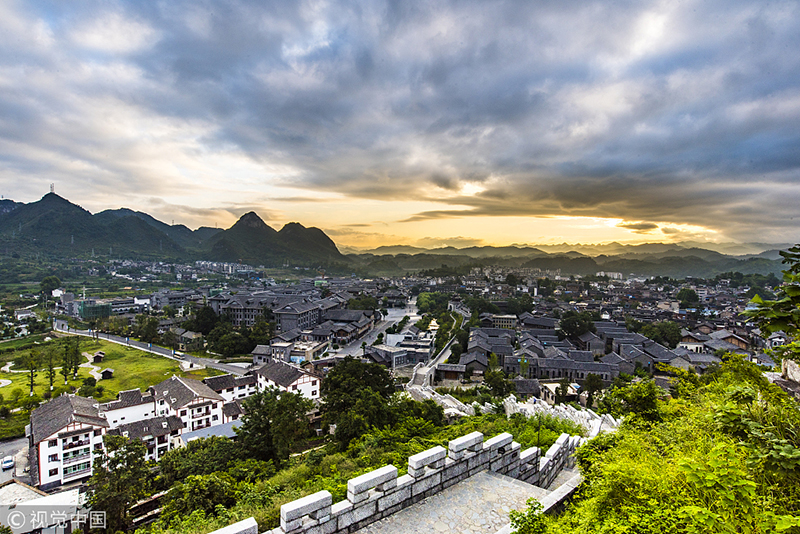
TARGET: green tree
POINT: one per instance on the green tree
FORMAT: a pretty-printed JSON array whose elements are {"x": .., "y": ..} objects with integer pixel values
[
  {"x": 562, "y": 391},
  {"x": 119, "y": 479},
  {"x": 639, "y": 398},
  {"x": 48, "y": 284},
  {"x": 50, "y": 360},
  {"x": 198, "y": 457},
  {"x": 356, "y": 391},
  {"x": 592, "y": 384},
  {"x": 574, "y": 324},
  {"x": 169, "y": 311},
  {"x": 530, "y": 521},
  {"x": 665, "y": 332},
  {"x": 200, "y": 492},
  {"x": 273, "y": 422},
  {"x": 31, "y": 362},
  {"x": 687, "y": 296}
]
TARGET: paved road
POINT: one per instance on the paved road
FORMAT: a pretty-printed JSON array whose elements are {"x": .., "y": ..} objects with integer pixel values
[
  {"x": 13, "y": 448},
  {"x": 61, "y": 326},
  {"x": 394, "y": 316}
]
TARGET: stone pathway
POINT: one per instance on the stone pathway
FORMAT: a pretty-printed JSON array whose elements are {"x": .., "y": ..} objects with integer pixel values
[{"x": 477, "y": 505}]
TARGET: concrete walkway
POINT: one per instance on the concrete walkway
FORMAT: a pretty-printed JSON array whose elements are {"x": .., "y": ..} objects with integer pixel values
[{"x": 479, "y": 504}]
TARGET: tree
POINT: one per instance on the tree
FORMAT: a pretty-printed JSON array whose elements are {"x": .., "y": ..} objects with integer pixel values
[
  {"x": 687, "y": 296},
  {"x": 664, "y": 332},
  {"x": 356, "y": 396},
  {"x": 639, "y": 398},
  {"x": 782, "y": 314},
  {"x": 48, "y": 284},
  {"x": 592, "y": 384},
  {"x": 169, "y": 311},
  {"x": 200, "y": 492},
  {"x": 497, "y": 383},
  {"x": 31, "y": 362},
  {"x": 562, "y": 391},
  {"x": 273, "y": 422},
  {"x": 198, "y": 457},
  {"x": 574, "y": 325},
  {"x": 119, "y": 479},
  {"x": 50, "y": 363}
]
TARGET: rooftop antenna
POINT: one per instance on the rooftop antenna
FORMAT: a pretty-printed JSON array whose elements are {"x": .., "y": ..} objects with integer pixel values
[{"x": 52, "y": 188}]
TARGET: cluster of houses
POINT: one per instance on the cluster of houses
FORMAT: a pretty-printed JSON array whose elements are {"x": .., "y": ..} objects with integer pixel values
[{"x": 65, "y": 432}]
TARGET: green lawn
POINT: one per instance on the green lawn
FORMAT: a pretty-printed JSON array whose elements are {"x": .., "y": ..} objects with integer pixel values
[
  {"x": 14, "y": 426},
  {"x": 132, "y": 369}
]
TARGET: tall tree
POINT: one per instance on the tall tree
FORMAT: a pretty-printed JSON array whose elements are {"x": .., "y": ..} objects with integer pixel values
[
  {"x": 66, "y": 360},
  {"x": 592, "y": 385},
  {"x": 272, "y": 424},
  {"x": 50, "y": 360},
  {"x": 31, "y": 362},
  {"x": 120, "y": 478}
]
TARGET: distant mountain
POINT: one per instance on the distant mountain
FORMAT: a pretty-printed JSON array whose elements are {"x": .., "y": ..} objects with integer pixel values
[
  {"x": 7, "y": 205},
  {"x": 179, "y": 233},
  {"x": 251, "y": 240},
  {"x": 54, "y": 225}
]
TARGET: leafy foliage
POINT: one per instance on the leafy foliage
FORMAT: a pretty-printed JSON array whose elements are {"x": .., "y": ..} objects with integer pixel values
[{"x": 119, "y": 479}]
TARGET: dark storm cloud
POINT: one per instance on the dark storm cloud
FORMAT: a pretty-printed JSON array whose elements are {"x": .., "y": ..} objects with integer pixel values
[{"x": 683, "y": 113}]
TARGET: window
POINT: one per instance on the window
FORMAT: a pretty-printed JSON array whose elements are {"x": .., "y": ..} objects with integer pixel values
[
  {"x": 241, "y": 387},
  {"x": 52, "y": 458},
  {"x": 313, "y": 382},
  {"x": 294, "y": 388},
  {"x": 214, "y": 418},
  {"x": 183, "y": 413},
  {"x": 53, "y": 472},
  {"x": 98, "y": 446},
  {"x": 52, "y": 443},
  {"x": 97, "y": 432},
  {"x": 313, "y": 393}
]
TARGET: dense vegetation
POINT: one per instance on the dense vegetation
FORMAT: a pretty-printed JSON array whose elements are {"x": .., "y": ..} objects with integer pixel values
[{"x": 724, "y": 456}]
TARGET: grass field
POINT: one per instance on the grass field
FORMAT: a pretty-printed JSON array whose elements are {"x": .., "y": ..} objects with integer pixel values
[{"x": 132, "y": 369}]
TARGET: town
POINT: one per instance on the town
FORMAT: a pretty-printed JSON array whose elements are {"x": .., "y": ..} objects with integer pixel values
[{"x": 457, "y": 341}]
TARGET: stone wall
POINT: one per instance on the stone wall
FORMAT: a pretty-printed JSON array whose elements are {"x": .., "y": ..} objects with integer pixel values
[{"x": 380, "y": 493}]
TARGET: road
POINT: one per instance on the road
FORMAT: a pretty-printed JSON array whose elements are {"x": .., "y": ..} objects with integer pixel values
[
  {"x": 393, "y": 316},
  {"x": 61, "y": 326},
  {"x": 13, "y": 448}
]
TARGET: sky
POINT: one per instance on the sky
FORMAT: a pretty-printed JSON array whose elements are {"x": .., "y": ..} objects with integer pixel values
[{"x": 422, "y": 123}]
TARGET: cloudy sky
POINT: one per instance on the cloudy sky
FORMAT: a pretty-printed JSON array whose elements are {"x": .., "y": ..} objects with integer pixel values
[{"x": 424, "y": 123}]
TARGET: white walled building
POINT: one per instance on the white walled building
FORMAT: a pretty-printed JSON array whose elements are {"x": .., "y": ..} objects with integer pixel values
[
  {"x": 197, "y": 405},
  {"x": 62, "y": 437},
  {"x": 288, "y": 377}
]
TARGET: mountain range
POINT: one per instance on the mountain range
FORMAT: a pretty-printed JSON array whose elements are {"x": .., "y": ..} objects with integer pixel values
[{"x": 55, "y": 227}]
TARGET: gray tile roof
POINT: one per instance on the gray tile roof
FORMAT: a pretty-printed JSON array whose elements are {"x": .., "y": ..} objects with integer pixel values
[
  {"x": 178, "y": 392},
  {"x": 233, "y": 408},
  {"x": 52, "y": 416},
  {"x": 281, "y": 373},
  {"x": 126, "y": 399},
  {"x": 155, "y": 427}
]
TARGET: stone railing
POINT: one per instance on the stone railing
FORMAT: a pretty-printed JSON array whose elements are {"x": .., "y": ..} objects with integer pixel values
[{"x": 380, "y": 493}]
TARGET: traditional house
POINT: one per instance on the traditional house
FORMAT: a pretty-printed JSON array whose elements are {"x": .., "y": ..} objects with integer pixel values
[
  {"x": 288, "y": 377},
  {"x": 197, "y": 405},
  {"x": 62, "y": 436},
  {"x": 231, "y": 387},
  {"x": 159, "y": 434}
]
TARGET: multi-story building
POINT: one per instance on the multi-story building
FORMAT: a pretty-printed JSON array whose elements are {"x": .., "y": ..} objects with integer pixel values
[
  {"x": 288, "y": 377},
  {"x": 196, "y": 404},
  {"x": 159, "y": 434},
  {"x": 231, "y": 387},
  {"x": 62, "y": 436}
]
